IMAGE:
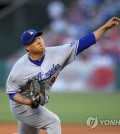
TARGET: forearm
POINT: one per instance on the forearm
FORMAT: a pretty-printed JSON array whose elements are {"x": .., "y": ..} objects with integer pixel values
[
  {"x": 22, "y": 100},
  {"x": 100, "y": 32}
]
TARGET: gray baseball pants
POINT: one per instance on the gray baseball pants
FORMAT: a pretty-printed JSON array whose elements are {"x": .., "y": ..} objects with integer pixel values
[{"x": 30, "y": 121}]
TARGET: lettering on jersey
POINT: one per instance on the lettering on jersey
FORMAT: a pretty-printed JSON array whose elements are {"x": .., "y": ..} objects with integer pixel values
[
  {"x": 52, "y": 70},
  {"x": 39, "y": 76},
  {"x": 28, "y": 81},
  {"x": 48, "y": 74}
]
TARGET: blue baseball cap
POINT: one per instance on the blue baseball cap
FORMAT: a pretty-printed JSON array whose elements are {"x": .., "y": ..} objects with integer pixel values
[{"x": 29, "y": 35}]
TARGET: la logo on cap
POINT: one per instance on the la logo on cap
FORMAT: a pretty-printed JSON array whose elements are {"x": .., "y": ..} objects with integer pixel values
[{"x": 31, "y": 33}]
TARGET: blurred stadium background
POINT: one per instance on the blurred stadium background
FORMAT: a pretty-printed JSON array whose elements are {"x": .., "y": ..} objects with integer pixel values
[{"x": 90, "y": 85}]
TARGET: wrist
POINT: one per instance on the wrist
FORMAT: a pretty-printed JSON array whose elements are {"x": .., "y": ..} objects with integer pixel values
[
  {"x": 28, "y": 102},
  {"x": 105, "y": 28}
]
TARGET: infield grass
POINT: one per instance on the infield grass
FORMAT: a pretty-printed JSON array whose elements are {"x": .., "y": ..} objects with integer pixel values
[{"x": 73, "y": 107}]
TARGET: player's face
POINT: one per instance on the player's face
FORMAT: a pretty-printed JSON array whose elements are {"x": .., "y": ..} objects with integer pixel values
[{"x": 37, "y": 46}]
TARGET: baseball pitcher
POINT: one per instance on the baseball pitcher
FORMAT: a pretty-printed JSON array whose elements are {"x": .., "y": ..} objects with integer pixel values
[{"x": 32, "y": 76}]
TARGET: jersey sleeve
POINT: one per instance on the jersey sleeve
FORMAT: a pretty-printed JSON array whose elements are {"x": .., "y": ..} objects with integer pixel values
[
  {"x": 67, "y": 53},
  {"x": 86, "y": 42},
  {"x": 11, "y": 85},
  {"x": 70, "y": 51}
]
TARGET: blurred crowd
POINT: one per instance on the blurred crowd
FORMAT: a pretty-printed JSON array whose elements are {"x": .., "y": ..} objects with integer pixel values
[{"x": 80, "y": 17}]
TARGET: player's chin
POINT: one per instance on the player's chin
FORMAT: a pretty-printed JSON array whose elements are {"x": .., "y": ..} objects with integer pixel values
[{"x": 41, "y": 49}]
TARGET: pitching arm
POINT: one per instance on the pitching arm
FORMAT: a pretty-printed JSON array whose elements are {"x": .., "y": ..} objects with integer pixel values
[{"x": 111, "y": 23}]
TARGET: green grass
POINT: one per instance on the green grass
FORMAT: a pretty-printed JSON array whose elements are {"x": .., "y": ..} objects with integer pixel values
[
  {"x": 5, "y": 114},
  {"x": 73, "y": 107},
  {"x": 77, "y": 107}
]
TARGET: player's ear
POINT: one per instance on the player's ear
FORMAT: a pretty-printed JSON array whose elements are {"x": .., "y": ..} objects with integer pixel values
[{"x": 27, "y": 47}]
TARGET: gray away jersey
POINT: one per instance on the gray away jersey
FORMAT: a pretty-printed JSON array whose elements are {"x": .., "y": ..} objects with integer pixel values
[{"x": 55, "y": 59}]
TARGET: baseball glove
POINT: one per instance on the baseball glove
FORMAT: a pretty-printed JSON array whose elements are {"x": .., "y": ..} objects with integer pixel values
[{"x": 35, "y": 93}]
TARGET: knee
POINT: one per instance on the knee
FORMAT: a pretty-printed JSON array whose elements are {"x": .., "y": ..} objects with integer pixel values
[
  {"x": 56, "y": 120},
  {"x": 54, "y": 125}
]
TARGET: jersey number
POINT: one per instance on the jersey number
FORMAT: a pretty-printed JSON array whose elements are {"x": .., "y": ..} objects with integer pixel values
[{"x": 53, "y": 79}]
